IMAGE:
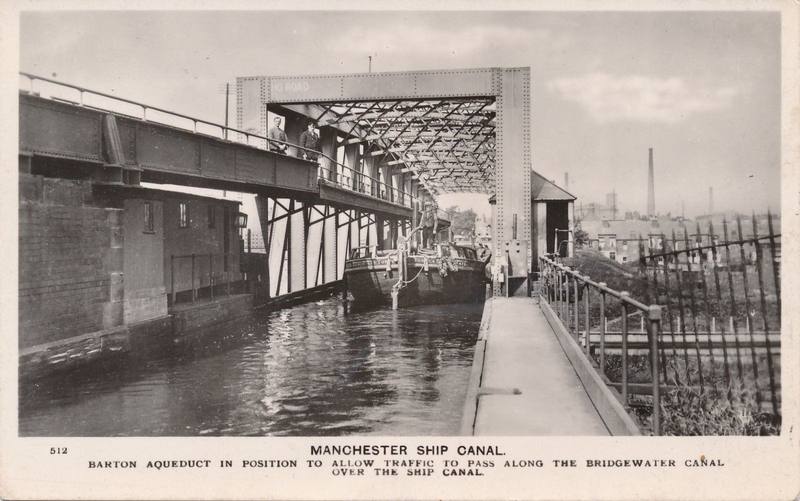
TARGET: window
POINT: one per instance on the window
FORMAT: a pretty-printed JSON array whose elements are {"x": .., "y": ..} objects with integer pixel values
[
  {"x": 612, "y": 255},
  {"x": 624, "y": 259},
  {"x": 148, "y": 218},
  {"x": 602, "y": 243},
  {"x": 613, "y": 242},
  {"x": 624, "y": 245},
  {"x": 183, "y": 222},
  {"x": 212, "y": 216}
]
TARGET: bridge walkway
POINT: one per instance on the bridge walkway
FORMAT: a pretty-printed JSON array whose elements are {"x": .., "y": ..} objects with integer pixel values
[
  {"x": 125, "y": 149},
  {"x": 524, "y": 383}
]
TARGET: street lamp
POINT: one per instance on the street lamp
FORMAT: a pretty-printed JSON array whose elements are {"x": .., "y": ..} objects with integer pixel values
[{"x": 240, "y": 220}]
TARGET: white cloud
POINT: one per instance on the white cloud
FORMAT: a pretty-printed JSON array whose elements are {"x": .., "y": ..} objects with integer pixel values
[{"x": 610, "y": 98}]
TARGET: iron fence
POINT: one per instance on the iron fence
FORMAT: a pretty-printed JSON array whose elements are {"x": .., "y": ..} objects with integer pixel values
[
  {"x": 722, "y": 307},
  {"x": 195, "y": 258},
  {"x": 702, "y": 342}
]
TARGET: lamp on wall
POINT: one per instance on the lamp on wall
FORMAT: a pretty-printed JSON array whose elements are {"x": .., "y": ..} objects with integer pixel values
[{"x": 240, "y": 221}]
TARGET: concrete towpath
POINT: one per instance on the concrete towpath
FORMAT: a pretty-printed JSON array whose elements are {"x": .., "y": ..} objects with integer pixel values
[{"x": 528, "y": 385}]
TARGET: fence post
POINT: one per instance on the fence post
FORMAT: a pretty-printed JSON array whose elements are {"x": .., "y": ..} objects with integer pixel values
[
  {"x": 602, "y": 328},
  {"x": 624, "y": 348},
  {"x": 557, "y": 290},
  {"x": 654, "y": 323},
  {"x": 575, "y": 291},
  {"x": 249, "y": 240},
  {"x": 586, "y": 319},
  {"x": 192, "y": 277},
  {"x": 211, "y": 273},
  {"x": 566, "y": 298},
  {"x": 172, "y": 277}
]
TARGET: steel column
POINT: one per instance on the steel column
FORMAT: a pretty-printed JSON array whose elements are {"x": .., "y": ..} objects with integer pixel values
[{"x": 512, "y": 161}]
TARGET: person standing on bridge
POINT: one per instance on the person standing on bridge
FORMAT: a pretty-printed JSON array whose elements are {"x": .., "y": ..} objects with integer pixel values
[
  {"x": 278, "y": 134},
  {"x": 310, "y": 141}
]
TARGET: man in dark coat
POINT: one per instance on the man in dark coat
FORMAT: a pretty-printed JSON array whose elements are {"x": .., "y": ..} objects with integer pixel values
[
  {"x": 277, "y": 134},
  {"x": 310, "y": 140}
]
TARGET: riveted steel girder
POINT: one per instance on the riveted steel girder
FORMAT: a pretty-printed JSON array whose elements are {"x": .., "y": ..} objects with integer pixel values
[{"x": 453, "y": 130}]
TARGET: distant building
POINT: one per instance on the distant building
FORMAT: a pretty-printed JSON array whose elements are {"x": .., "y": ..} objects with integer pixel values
[
  {"x": 595, "y": 212},
  {"x": 483, "y": 230},
  {"x": 619, "y": 240}
]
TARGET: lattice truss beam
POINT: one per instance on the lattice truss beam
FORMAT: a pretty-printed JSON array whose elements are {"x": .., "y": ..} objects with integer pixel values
[{"x": 447, "y": 144}]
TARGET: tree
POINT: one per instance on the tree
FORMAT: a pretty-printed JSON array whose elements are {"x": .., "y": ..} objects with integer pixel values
[
  {"x": 581, "y": 238},
  {"x": 463, "y": 222}
]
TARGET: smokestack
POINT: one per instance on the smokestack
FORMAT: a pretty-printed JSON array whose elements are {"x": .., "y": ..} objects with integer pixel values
[
  {"x": 566, "y": 181},
  {"x": 611, "y": 201},
  {"x": 710, "y": 199},
  {"x": 683, "y": 209},
  {"x": 651, "y": 189}
]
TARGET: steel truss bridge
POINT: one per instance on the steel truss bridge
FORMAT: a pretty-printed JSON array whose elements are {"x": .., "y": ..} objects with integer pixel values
[{"x": 390, "y": 143}]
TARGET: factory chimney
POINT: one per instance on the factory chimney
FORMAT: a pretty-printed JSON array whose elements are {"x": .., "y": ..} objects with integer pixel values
[
  {"x": 611, "y": 201},
  {"x": 566, "y": 181},
  {"x": 710, "y": 200},
  {"x": 651, "y": 189}
]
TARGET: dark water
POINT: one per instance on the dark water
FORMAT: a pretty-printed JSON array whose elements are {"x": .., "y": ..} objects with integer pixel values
[{"x": 306, "y": 371}]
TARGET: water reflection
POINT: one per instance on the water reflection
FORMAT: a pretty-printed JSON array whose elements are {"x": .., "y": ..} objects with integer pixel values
[{"x": 306, "y": 371}]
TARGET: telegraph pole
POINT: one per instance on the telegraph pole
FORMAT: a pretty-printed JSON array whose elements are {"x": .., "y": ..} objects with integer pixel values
[
  {"x": 227, "y": 90},
  {"x": 227, "y": 93}
]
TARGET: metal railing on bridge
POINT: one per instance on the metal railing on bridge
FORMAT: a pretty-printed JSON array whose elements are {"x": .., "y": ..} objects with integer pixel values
[
  {"x": 706, "y": 347},
  {"x": 570, "y": 295},
  {"x": 343, "y": 176}
]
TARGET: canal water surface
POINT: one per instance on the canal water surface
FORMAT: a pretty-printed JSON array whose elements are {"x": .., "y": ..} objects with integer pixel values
[{"x": 311, "y": 370}]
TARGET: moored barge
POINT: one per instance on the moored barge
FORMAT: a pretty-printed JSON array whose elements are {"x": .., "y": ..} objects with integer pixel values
[{"x": 446, "y": 273}]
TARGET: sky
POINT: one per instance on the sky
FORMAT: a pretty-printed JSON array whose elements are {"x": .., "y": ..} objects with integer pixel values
[{"x": 702, "y": 89}]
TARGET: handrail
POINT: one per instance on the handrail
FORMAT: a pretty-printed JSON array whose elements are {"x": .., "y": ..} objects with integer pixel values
[
  {"x": 224, "y": 129},
  {"x": 559, "y": 277},
  {"x": 598, "y": 285},
  {"x": 194, "y": 256}
]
